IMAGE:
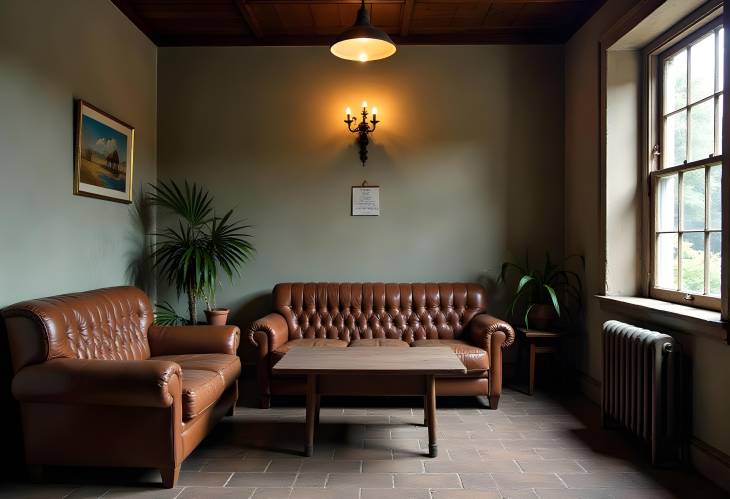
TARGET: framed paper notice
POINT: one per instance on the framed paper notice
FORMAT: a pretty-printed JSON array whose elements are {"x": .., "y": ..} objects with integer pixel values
[{"x": 365, "y": 201}]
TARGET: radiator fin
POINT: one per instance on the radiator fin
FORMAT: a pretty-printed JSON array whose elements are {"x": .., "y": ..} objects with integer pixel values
[{"x": 641, "y": 389}]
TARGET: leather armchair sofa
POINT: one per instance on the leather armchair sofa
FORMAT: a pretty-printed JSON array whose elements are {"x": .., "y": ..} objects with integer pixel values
[
  {"x": 378, "y": 315},
  {"x": 100, "y": 385}
]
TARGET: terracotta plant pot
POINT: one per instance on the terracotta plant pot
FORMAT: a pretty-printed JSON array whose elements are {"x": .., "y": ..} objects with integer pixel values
[
  {"x": 217, "y": 316},
  {"x": 541, "y": 316}
]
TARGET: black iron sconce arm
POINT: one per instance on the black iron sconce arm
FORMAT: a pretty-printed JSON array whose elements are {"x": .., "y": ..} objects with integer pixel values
[{"x": 362, "y": 129}]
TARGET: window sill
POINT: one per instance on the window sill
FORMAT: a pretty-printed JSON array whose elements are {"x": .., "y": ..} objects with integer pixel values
[{"x": 679, "y": 318}]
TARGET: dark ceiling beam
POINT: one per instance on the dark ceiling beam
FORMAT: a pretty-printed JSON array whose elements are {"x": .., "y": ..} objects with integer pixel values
[
  {"x": 128, "y": 10},
  {"x": 248, "y": 15},
  {"x": 491, "y": 36},
  {"x": 405, "y": 23},
  {"x": 309, "y": 2}
]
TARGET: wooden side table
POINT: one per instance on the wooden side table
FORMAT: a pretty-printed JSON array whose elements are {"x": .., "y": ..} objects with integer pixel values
[{"x": 537, "y": 342}]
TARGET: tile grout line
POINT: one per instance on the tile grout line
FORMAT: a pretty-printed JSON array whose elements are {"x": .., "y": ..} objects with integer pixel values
[{"x": 229, "y": 479}]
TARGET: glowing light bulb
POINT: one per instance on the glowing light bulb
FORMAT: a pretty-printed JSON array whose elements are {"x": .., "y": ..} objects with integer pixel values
[
  {"x": 375, "y": 111},
  {"x": 364, "y": 104},
  {"x": 363, "y": 57},
  {"x": 348, "y": 112}
]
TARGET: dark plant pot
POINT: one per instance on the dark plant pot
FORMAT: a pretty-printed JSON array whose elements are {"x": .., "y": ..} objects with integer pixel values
[
  {"x": 217, "y": 316},
  {"x": 541, "y": 316}
]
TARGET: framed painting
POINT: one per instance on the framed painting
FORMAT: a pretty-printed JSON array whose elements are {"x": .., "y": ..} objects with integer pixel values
[{"x": 104, "y": 155}]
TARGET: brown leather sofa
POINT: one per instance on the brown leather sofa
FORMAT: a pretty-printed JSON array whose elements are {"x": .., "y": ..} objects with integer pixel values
[
  {"x": 378, "y": 315},
  {"x": 100, "y": 385}
]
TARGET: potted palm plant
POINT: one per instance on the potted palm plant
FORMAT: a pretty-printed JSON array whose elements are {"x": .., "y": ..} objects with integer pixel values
[
  {"x": 197, "y": 246},
  {"x": 543, "y": 291}
]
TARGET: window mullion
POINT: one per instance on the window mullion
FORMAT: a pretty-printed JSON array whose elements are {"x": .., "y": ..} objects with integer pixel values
[
  {"x": 680, "y": 226},
  {"x": 707, "y": 227}
]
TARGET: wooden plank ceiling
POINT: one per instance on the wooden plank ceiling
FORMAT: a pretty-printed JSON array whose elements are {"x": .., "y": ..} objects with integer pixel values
[{"x": 317, "y": 22}]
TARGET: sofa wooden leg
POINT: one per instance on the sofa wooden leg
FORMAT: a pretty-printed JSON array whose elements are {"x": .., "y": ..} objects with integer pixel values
[
  {"x": 230, "y": 411},
  {"x": 493, "y": 401},
  {"x": 170, "y": 476},
  {"x": 265, "y": 402}
]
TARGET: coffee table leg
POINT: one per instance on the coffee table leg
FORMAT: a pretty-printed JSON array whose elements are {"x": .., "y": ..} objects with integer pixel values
[
  {"x": 425, "y": 411},
  {"x": 311, "y": 413},
  {"x": 431, "y": 415}
]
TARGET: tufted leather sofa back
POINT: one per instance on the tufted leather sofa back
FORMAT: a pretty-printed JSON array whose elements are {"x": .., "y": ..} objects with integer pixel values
[
  {"x": 108, "y": 324},
  {"x": 352, "y": 311}
]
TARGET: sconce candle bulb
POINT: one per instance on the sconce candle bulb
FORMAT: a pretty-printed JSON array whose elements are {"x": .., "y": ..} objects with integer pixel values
[{"x": 362, "y": 129}]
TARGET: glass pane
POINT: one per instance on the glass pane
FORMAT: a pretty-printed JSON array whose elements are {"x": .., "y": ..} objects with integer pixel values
[
  {"x": 666, "y": 261},
  {"x": 693, "y": 262},
  {"x": 675, "y": 139},
  {"x": 715, "y": 202},
  {"x": 720, "y": 60},
  {"x": 719, "y": 125},
  {"x": 667, "y": 216},
  {"x": 702, "y": 130},
  {"x": 715, "y": 250},
  {"x": 702, "y": 68},
  {"x": 693, "y": 200},
  {"x": 675, "y": 82}
]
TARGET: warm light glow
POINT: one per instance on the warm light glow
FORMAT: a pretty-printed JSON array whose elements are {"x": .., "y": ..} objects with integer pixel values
[
  {"x": 375, "y": 111},
  {"x": 348, "y": 112},
  {"x": 354, "y": 49},
  {"x": 364, "y": 104}
]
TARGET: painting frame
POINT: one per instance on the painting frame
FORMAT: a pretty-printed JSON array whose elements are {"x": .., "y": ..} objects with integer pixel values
[{"x": 97, "y": 176}]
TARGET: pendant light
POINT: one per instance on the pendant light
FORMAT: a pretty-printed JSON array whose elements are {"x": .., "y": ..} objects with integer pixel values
[{"x": 363, "y": 42}]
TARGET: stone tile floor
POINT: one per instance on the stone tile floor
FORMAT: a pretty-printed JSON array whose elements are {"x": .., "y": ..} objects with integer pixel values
[{"x": 532, "y": 447}]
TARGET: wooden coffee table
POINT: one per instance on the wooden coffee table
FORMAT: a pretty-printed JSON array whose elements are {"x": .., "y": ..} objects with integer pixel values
[{"x": 421, "y": 364}]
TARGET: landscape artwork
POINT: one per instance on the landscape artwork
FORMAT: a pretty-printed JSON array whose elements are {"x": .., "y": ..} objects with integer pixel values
[{"x": 104, "y": 152}]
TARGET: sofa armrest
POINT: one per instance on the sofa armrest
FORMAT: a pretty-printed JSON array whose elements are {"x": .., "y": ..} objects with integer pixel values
[
  {"x": 179, "y": 340},
  {"x": 269, "y": 333},
  {"x": 131, "y": 383},
  {"x": 482, "y": 329}
]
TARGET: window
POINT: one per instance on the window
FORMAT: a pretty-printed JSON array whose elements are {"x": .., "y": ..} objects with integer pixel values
[{"x": 686, "y": 170}]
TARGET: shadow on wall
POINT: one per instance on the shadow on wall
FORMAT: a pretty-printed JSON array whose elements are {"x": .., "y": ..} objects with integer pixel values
[{"x": 140, "y": 271}]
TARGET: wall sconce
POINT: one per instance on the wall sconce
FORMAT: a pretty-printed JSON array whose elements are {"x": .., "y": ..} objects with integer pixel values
[{"x": 362, "y": 129}]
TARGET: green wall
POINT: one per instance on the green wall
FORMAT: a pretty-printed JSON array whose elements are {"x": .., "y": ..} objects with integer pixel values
[
  {"x": 51, "y": 53},
  {"x": 468, "y": 157}
]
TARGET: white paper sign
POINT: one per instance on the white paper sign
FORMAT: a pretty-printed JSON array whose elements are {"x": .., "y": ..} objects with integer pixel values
[{"x": 366, "y": 201}]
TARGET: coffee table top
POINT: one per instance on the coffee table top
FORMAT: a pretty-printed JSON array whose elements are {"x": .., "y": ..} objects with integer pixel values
[{"x": 371, "y": 360}]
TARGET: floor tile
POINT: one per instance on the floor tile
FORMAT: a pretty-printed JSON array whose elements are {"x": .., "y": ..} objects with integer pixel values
[
  {"x": 526, "y": 480},
  {"x": 393, "y": 466},
  {"x": 310, "y": 480},
  {"x": 247, "y": 464},
  {"x": 553, "y": 466},
  {"x": 216, "y": 492},
  {"x": 471, "y": 466},
  {"x": 203, "y": 478},
  {"x": 394, "y": 494},
  {"x": 430, "y": 480},
  {"x": 370, "y": 480},
  {"x": 262, "y": 480}
]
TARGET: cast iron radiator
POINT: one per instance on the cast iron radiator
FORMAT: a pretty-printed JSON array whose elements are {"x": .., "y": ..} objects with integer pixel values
[{"x": 642, "y": 389}]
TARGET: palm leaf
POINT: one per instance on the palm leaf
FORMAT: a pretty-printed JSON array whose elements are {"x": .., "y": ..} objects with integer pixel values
[{"x": 554, "y": 298}]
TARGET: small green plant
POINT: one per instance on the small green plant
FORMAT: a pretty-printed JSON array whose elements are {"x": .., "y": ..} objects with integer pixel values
[
  {"x": 165, "y": 315},
  {"x": 190, "y": 253},
  {"x": 550, "y": 286}
]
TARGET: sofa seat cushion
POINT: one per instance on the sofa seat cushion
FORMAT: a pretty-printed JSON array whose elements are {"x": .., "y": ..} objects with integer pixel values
[
  {"x": 474, "y": 358},
  {"x": 200, "y": 390},
  {"x": 227, "y": 366},
  {"x": 279, "y": 353},
  {"x": 379, "y": 342}
]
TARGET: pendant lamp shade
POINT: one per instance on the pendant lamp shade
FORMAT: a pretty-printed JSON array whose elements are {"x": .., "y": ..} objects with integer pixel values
[{"x": 363, "y": 42}]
